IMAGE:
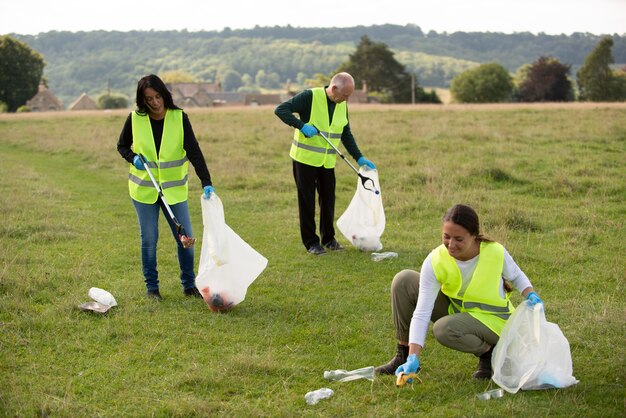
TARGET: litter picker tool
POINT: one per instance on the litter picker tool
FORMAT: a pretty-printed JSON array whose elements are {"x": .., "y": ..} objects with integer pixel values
[
  {"x": 185, "y": 239},
  {"x": 364, "y": 180}
]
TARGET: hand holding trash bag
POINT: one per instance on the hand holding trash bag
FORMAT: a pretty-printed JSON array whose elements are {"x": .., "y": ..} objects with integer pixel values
[
  {"x": 137, "y": 163},
  {"x": 308, "y": 130},
  {"x": 207, "y": 191},
  {"x": 364, "y": 161},
  {"x": 533, "y": 299}
]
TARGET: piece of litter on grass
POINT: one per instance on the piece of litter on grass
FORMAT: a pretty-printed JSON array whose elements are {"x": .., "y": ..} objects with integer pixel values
[
  {"x": 347, "y": 376},
  {"x": 383, "y": 256},
  {"x": 315, "y": 396},
  {"x": 490, "y": 394},
  {"x": 94, "y": 307},
  {"x": 102, "y": 296}
]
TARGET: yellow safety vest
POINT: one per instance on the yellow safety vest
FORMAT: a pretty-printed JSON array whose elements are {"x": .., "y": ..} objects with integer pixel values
[
  {"x": 481, "y": 299},
  {"x": 316, "y": 151},
  {"x": 169, "y": 168}
]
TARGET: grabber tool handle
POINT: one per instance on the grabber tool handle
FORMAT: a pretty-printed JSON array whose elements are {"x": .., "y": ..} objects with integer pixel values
[
  {"x": 158, "y": 188},
  {"x": 338, "y": 152},
  {"x": 364, "y": 179},
  {"x": 185, "y": 240}
]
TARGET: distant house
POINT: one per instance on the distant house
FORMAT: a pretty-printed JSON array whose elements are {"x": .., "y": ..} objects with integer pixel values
[
  {"x": 44, "y": 101},
  {"x": 84, "y": 102},
  {"x": 193, "y": 94}
]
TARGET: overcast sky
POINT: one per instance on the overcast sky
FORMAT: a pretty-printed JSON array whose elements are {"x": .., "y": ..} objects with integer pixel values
[{"x": 29, "y": 17}]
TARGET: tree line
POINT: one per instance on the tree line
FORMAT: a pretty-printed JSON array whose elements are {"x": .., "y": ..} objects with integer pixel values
[
  {"x": 95, "y": 61},
  {"x": 99, "y": 61}
]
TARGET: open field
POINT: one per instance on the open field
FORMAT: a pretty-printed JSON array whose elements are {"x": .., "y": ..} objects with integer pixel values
[{"x": 547, "y": 180}]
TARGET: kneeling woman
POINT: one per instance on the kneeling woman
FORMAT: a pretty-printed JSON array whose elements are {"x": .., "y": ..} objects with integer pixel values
[{"x": 462, "y": 290}]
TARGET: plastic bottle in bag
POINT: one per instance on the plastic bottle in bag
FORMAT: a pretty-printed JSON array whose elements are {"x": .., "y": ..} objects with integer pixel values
[
  {"x": 346, "y": 376},
  {"x": 314, "y": 397}
]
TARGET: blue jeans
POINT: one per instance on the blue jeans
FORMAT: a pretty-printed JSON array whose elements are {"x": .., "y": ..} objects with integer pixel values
[{"x": 148, "y": 216}]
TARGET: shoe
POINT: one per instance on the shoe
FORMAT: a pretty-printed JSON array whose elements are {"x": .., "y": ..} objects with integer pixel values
[
  {"x": 334, "y": 246},
  {"x": 394, "y": 363},
  {"x": 192, "y": 291},
  {"x": 484, "y": 370},
  {"x": 154, "y": 294},
  {"x": 316, "y": 249}
]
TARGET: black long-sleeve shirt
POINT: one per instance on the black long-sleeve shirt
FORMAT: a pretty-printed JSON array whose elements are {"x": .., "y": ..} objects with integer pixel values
[
  {"x": 301, "y": 104},
  {"x": 190, "y": 144}
]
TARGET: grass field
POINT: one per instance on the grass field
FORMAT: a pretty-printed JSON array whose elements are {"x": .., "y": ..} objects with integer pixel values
[{"x": 547, "y": 181}]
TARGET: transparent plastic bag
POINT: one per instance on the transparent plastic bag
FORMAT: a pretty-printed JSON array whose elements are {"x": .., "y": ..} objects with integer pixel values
[
  {"x": 532, "y": 353},
  {"x": 228, "y": 265},
  {"x": 363, "y": 222},
  {"x": 315, "y": 396},
  {"x": 347, "y": 376},
  {"x": 383, "y": 256}
]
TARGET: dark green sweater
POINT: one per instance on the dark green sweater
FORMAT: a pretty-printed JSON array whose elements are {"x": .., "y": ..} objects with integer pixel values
[{"x": 301, "y": 104}]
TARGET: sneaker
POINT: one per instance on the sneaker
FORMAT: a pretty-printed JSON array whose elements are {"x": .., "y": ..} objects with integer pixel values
[
  {"x": 334, "y": 246},
  {"x": 154, "y": 294},
  {"x": 316, "y": 249},
  {"x": 192, "y": 291}
]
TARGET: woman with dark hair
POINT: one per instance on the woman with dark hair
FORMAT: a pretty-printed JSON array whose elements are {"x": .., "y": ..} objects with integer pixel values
[
  {"x": 462, "y": 289},
  {"x": 161, "y": 132}
]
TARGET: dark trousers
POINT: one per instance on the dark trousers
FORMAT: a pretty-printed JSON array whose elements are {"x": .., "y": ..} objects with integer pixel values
[{"x": 308, "y": 180}]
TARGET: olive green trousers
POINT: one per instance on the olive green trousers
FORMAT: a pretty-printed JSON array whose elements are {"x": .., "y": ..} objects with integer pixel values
[{"x": 459, "y": 331}]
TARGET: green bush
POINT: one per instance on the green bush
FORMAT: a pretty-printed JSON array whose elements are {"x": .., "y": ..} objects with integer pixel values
[
  {"x": 487, "y": 83},
  {"x": 112, "y": 101}
]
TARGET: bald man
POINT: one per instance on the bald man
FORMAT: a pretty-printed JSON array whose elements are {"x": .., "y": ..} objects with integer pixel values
[{"x": 319, "y": 109}]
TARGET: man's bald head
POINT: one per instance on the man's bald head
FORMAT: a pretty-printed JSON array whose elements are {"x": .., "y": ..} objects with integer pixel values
[{"x": 341, "y": 87}]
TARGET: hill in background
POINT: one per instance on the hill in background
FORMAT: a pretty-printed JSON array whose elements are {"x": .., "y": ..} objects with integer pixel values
[{"x": 269, "y": 57}]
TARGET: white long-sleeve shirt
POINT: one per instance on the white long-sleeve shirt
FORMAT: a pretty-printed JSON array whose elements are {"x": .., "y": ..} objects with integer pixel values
[{"x": 429, "y": 289}]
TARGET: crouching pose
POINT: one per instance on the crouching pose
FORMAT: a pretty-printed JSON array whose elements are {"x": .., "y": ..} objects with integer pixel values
[{"x": 462, "y": 290}]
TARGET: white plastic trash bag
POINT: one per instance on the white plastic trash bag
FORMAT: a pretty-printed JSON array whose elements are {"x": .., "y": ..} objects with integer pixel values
[
  {"x": 532, "y": 353},
  {"x": 102, "y": 296},
  {"x": 363, "y": 222},
  {"x": 228, "y": 265},
  {"x": 102, "y": 301}
]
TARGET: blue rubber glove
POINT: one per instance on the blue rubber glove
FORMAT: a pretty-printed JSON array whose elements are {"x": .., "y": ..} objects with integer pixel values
[
  {"x": 137, "y": 163},
  {"x": 533, "y": 298},
  {"x": 412, "y": 365},
  {"x": 309, "y": 130},
  {"x": 207, "y": 191},
  {"x": 364, "y": 161}
]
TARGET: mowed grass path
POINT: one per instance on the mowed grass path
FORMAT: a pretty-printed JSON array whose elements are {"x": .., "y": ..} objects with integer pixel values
[{"x": 548, "y": 182}]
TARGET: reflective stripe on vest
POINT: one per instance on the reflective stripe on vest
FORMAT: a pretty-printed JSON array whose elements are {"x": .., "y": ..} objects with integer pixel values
[
  {"x": 481, "y": 298},
  {"x": 316, "y": 151},
  {"x": 169, "y": 168}
]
